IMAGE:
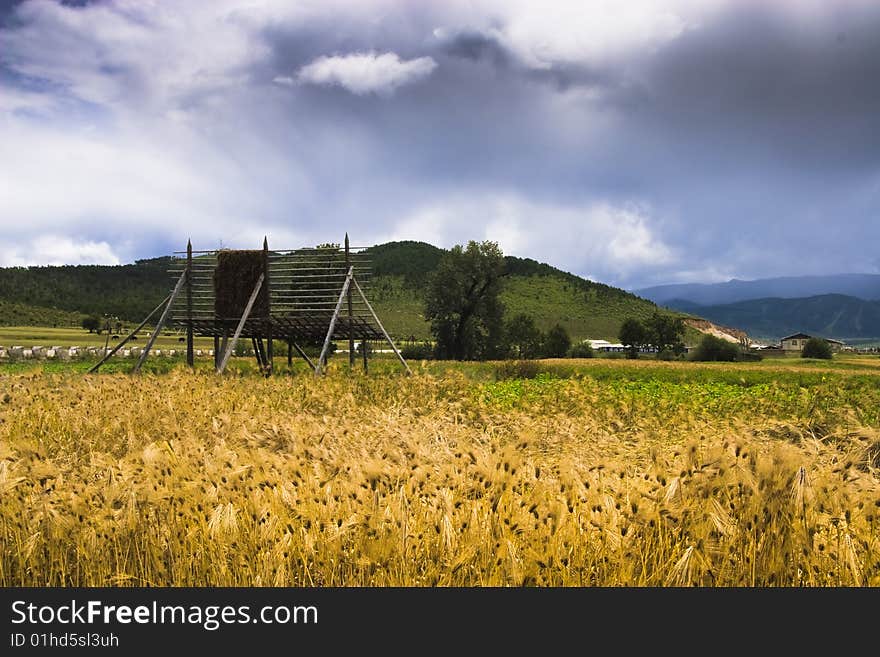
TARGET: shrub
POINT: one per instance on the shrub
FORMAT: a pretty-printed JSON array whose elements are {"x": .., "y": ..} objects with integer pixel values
[
  {"x": 417, "y": 351},
  {"x": 714, "y": 348},
  {"x": 518, "y": 369},
  {"x": 668, "y": 354},
  {"x": 581, "y": 350},
  {"x": 816, "y": 348}
]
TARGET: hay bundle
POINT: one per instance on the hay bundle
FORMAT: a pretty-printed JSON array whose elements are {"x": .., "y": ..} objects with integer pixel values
[{"x": 234, "y": 279}]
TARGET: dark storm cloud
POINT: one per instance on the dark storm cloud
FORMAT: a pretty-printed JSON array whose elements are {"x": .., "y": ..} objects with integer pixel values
[{"x": 731, "y": 142}]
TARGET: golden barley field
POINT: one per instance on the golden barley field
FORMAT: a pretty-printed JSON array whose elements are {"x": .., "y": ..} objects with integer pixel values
[{"x": 602, "y": 475}]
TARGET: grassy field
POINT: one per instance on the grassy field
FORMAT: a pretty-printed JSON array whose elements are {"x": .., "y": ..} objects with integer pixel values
[
  {"x": 29, "y": 336},
  {"x": 592, "y": 472}
]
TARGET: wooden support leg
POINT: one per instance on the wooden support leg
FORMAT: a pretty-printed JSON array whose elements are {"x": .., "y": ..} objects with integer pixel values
[
  {"x": 379, "y": 323},
  {"x": 128, "y": 337},
  {"x": 303, "y": 354},
  {"x": 322, "y": 359},
  {"x": 160, "y": 324},
  {"x": 258, "y": 353},
  {"x": 247, "y": 311}
]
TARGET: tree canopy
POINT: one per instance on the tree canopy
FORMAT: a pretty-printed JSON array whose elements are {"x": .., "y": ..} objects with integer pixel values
[
  {"x": 632, "y": 335},
  {"x": 462, "y": 301},
  {"x": 524, "y": 338},
  {"x": 557, "y": 342}
]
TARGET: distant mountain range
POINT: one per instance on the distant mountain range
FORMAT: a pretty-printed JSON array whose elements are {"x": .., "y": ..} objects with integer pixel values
[
  {"x": 861, "y": 286},
  {"x": 829, "y": 315}
]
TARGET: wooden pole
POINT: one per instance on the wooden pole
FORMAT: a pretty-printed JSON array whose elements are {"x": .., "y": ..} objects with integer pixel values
[
  {"x": 159, "y": 324},
  {"x": 106, "y": 357},
  {"x": 216, "y": 351},
  {"x": 247, "y": 311},
  {"x": 364, "y": 352},
  {"x": 350, "y": 310},
  {"x": 269, "y": 355},
  {"x": 258, "y": 353},
  {"x": 303, "y": 354},
  {"x": 190, "y": 360},
  {"x": 384, "y": 332},
  {"x": 223, "y": 344},
  {"x": 322, "y": 359}
]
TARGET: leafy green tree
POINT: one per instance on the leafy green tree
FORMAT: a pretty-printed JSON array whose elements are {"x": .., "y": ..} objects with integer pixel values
[
  {"x": 462, "y": 302},
  {"x": 633, "y": 335},
  {"x": 816, "y": 348},
  {"x": 557, "y": 342},
  {"x": 665, "y": 332},
  {"x": 524, "y": 338}
]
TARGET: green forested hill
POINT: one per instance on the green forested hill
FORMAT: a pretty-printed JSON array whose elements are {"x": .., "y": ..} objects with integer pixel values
[
  {"x": 585, "y": 308},
  {"x": 37, "y": 295},
  {"x": 126, "y": 291}
]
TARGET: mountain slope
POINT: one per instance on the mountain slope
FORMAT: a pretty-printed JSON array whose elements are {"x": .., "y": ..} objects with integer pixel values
[
  {"x": 400, "y": 272},
  {"x": 585, "y": 308},
  {"x": 862, "y": 286},
  {"x": 829, "y": 315}
]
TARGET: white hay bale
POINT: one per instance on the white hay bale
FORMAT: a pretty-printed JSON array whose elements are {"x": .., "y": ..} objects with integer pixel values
[
  {"x": 126, "y": 353},
  {"x": 16, "y": 350},
  {"x": 50, "y": 353},
  {"x": 172, "y": 352},
  {"x": 27, "y": 353}
]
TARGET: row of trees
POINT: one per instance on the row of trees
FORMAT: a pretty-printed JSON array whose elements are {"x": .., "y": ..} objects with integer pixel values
[
  {"x": 467, "y": 317},
  {"x": 664, "y": 333}
]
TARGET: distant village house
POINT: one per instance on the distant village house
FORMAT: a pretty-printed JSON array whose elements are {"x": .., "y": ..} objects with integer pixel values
[{"x": 797, "y": 341}]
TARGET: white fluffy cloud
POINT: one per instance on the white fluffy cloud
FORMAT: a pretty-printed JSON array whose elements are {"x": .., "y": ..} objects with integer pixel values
[
  {"x": 58, "y": 250},
  {"x": 547, "y": 34},
  {"x": 363, "y": 73},
  {"x": 602, "y": 240}
]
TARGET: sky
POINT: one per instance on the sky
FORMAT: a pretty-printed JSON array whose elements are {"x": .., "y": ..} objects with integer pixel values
[{"x": 637, "y": 143}]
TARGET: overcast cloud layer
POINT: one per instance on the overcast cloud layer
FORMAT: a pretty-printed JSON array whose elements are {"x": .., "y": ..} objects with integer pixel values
[{"x": 634, "y": 143}]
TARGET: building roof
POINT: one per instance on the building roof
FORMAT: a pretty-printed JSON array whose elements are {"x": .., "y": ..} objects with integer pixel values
[
  {"x": 798, "y": 336},
  {"x": 804, "y": 336}
]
